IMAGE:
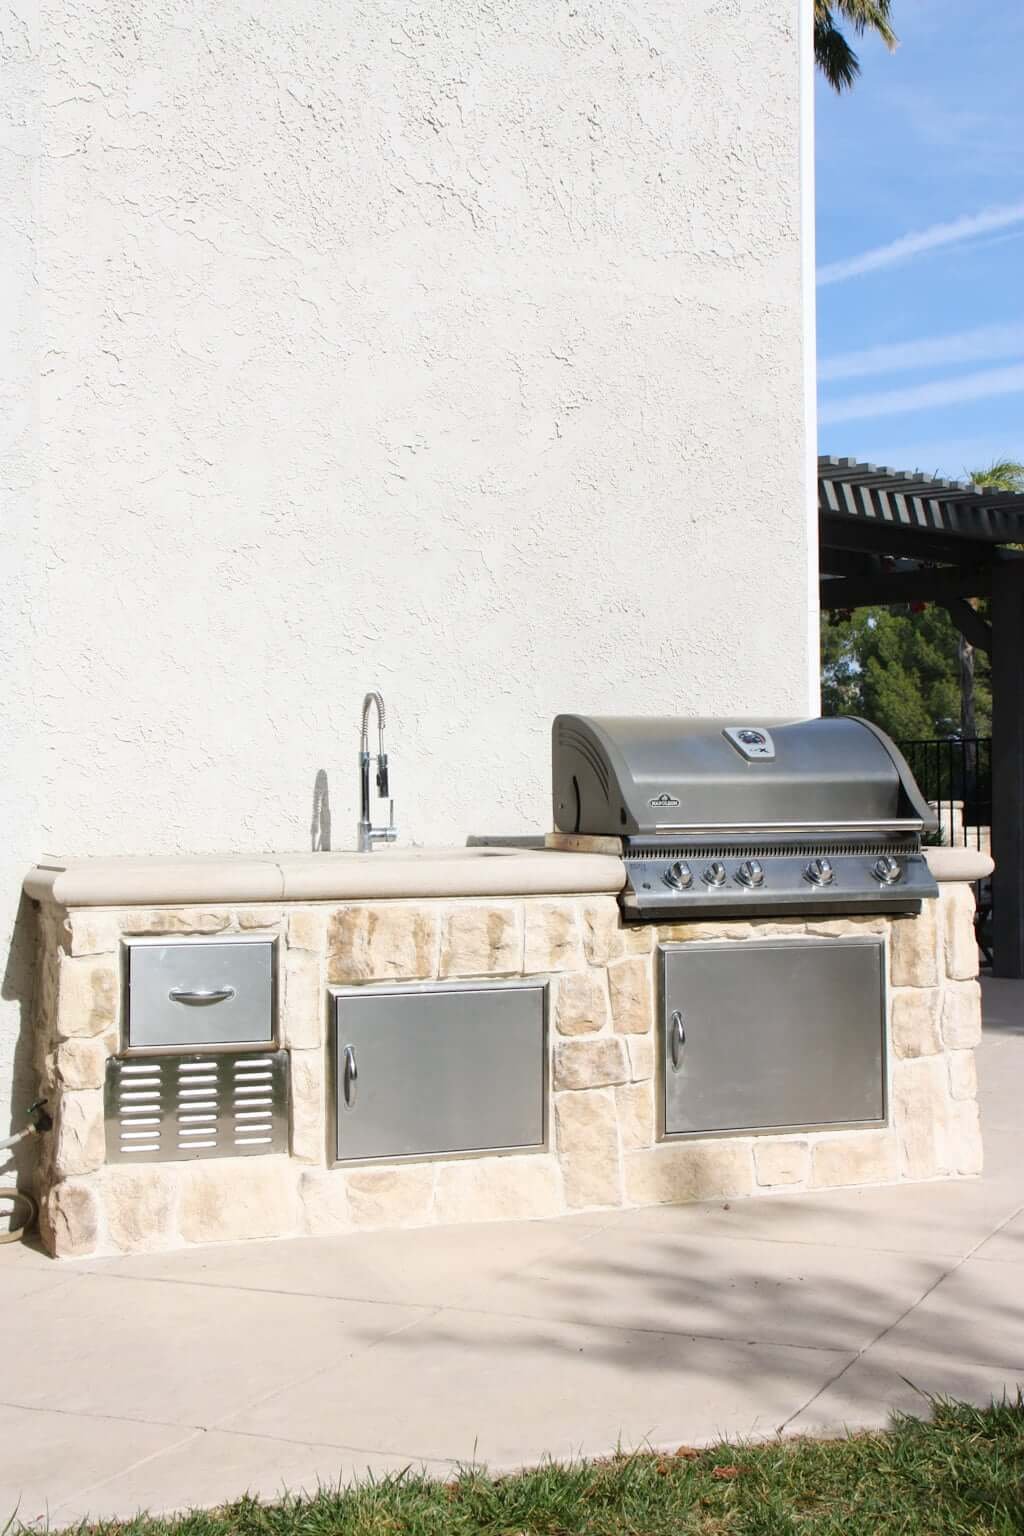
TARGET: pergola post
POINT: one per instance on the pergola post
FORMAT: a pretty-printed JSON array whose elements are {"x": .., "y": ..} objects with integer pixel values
[{"x": 1007, "y": 608}]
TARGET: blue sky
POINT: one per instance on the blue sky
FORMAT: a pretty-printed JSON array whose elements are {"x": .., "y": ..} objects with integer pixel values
[{"x": 920, "y": 243}]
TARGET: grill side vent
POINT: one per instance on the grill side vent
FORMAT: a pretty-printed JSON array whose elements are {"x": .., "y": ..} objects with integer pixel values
[{"x": 166, "y": 1108}]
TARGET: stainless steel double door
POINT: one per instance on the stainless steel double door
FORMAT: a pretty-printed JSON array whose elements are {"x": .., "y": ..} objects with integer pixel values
[{"x": 764, "y": 1036}]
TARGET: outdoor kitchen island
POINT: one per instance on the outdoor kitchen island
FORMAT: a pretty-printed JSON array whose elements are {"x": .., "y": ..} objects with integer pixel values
[{"x": 546, "y": 1013}]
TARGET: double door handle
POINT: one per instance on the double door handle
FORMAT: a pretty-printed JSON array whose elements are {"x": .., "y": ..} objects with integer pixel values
[{"x": 676, "y": 1039}]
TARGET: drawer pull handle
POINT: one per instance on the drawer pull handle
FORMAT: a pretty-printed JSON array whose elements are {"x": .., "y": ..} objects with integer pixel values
[
  {"x": 200, "y": 995},
  {"x": 678, "y": 1039},
  {"x": 351, "y": 1076}
]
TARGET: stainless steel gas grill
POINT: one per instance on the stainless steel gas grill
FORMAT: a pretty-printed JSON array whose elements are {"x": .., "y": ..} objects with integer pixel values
[{"x": 726, "y": 818}]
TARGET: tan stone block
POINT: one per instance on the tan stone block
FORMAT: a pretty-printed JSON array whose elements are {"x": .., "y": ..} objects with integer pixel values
[
  {"x": 581, "y": 1003},
  {"x": 390, "y": 942},
  {"x": 634, "y": 1105},
  {"x": 588, "y": 1148},
  {"x": 638, "y": 938},
  {"x": 640, "y": 1050},
  {"x": 914, "y": 1022},
  {"x": 401, "y": 1196},
  {"x": 553, "y": 937},
  {"x": 307, "y": 929},
  {"x": 778, "y": 1162},
  {"x": 88, "y": 996},
  {"x": 305, "y": 1000},
  {"x": 93, "y": 933},
  {"x": 69, "y": 1219},
  {"x": 913, "y": 949},
  {"x": 229, "y": 1199},
  {"x": 482, "y": 941},
  {"x": 961, "y": 1015},
  {"x": 632, "y": 995},
  {"x": 602, "y": 931},
  {"x": 859, "y": 1157},
  {"x": 590, "y": 1063},
  {"x": 920, "y": 1114},
  {"x": 259, "y": 919},
  {"x": 686, "y": 1171},
  {"x": 139, "y": 1204},
  {"x": 80, "y": 1138},
  {"x": 308, "y": 1135},
  {"x": 846, "y": 927},
  {"x": 960, "y": 947},
  {"x": 684, "y": 933},
  {"x": 965, "y": 1144},
  {"x": 498, "y": 1189},
  {"x": 175, "y": 920},
  {"x": 324, "y": 1199},
  {"x": 963, "y": 1075},
  {"x": 82, "y": 1062}
]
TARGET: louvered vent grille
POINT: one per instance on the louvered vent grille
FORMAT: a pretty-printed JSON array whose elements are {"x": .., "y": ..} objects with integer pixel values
[
  {"x": 225, "y": 1104},
  {"x": 792, "y": 850}
]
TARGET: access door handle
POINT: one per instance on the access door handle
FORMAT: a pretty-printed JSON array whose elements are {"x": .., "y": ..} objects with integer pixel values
[
  {"x": 677, "y": 1039},
  {"x": 351, "y": 1077},
  {"x": 200, "y": 995}
]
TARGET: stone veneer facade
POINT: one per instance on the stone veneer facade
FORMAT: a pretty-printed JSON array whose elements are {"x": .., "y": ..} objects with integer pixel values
[{"x": 603, "y": 1147}]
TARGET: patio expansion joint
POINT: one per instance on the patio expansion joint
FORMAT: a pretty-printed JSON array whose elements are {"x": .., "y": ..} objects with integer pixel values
[{"x": 896, "y": 1321}]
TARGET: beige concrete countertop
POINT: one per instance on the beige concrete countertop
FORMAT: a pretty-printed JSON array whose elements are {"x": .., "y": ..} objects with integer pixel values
[
  {"x": 388, "y": 873},
  {"x": 948, "y": 864}
]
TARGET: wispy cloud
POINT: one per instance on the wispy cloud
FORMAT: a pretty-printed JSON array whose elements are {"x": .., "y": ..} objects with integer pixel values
[
  {"x": 983, "y": 344},
  {"x": 931, "y": 239},
  {"x": 953, "y": 391}
]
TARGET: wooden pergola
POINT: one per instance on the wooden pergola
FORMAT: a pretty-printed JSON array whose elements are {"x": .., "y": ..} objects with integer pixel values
[{"x": 888, "y": 536}]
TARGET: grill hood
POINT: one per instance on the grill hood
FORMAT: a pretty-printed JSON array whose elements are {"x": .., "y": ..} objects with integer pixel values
[{"x": 630, "y": 776}]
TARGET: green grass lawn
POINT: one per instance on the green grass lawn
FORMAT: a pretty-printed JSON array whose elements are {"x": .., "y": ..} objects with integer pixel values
[{"x": 961, "y": 1473}]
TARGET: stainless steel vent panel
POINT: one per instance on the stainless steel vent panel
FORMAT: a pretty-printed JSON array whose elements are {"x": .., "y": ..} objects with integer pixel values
[{"x": 166, "y": 1107}]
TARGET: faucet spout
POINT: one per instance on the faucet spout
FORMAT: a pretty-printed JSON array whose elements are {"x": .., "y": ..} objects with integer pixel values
[{"x": 366, "y": 833}]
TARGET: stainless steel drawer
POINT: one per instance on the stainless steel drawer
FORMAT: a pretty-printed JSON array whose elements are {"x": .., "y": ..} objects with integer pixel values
[
  {"x": 772, "y": 1036},
  {"x": 441, "y": 1069},
  {"x": 212, "y": 992}
]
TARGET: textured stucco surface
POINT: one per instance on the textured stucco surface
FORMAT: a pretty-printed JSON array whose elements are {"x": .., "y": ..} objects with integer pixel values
[{"x": 375, "y": 344}]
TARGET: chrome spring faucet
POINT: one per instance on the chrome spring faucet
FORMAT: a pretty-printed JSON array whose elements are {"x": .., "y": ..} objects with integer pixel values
[{"x": 366, "y": 833}]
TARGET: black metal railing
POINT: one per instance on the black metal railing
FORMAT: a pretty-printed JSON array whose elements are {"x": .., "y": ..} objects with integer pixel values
[{"x": 955, "y": 776}]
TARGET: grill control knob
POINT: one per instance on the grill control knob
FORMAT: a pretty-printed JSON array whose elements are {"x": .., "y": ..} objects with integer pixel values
[
  {"x": 887, "y": 870},
  {"x": 820, "y": 872},
  {"x": 679, "y": 877},
  {"x": 715, "y": 874},
  {"x": 750, "y": 873}
]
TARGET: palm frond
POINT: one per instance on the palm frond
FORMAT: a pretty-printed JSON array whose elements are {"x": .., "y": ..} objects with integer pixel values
[
  {"x": 868, "y": 16},
  {"x": 1000, "y": 475},
  {"x": 832, "y": 53}
]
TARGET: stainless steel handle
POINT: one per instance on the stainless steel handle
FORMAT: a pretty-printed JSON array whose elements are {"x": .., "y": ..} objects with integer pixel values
[
  {"x": 677, "y": 1039},
  {"x": 200, "y": 995},
  {"x": 351, "y": 1076}
]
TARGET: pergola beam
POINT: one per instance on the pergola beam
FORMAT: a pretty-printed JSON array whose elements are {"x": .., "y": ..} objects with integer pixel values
[
  {"x": 970, "y": 624},
  {"x": 929, "y": 584}
]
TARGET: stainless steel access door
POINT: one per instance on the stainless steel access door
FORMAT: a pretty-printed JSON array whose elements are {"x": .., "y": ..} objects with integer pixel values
[
  {"x": 424, "y": 1071},
  {"x": 765, "y": 1036}
]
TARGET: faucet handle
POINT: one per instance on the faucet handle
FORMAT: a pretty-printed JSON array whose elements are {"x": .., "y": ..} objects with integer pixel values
[{"x": 382, "y": 776}]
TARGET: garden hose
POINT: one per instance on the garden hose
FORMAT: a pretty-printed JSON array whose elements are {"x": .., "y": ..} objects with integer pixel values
[{"x": 38, "y": 1122}]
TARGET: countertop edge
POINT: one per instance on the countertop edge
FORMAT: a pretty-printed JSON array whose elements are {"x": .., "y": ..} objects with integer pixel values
[{"x": 948, "y": 865}]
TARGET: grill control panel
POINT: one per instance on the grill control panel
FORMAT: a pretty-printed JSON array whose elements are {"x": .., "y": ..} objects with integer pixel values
[{"x": 778, "y": 879}]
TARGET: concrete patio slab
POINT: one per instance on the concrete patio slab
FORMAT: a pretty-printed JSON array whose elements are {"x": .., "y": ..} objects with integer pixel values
[
  {"x": 217, "y": 1467},
  {"x": 778, "y": 1293},
  {"x": 435, "y": 1269},
  {"x": 507, "y": 1390},
  {"x": 887, "y": 1380},
  {"x": 48, "y": 1456},
  {"x": 177, "y": 1354},
  {"x": 189, "y": 1378}
]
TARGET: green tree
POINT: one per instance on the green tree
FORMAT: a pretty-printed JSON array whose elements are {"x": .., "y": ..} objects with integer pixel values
[
  {"x": 832, "y": 51},
  {"x": 898, "y": 668}
]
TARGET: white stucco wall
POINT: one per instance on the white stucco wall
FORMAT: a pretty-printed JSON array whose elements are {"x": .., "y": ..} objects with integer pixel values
[{"x": 429, "y": 348}]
